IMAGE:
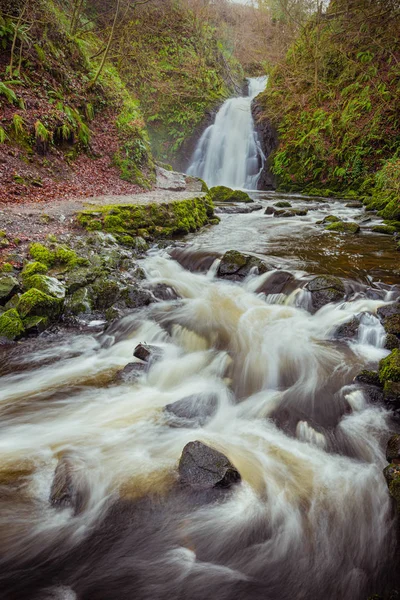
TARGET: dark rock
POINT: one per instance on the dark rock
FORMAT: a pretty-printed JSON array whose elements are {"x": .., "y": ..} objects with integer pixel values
[
  {"x": 390, "y": 317},
  {"x": 368, "y": 377},
  {"x": 391, "y": 342},
  {"x": 69, "y": 488},
  {"x": 268, "y": 137},
  {"x": 325, "y": 289},
  {"x": 348, "y": 329},
  {"x": 393, "y": 449},
  {"x": 236, "y": 265},
  {"x": 131, "y": 372},
  {"x": 192, "y": 411},
  {"x": 373, "y": 393},
  {"x": 354, "y": 204},
  {"x": 270, "y": 210},
  {"x": 137, "y": 297},
  {"x": 392, "y": 476},
  {"x": 293, "y": 212},
  {"x": 328, "y": 219},
  {"x": 164, "y": 292},
  {"x": 202, "y": 467},
  {"x": 276, "y": 282},
  {"x": 148, "y": 353},
  {"x": 106, "y": 292}
]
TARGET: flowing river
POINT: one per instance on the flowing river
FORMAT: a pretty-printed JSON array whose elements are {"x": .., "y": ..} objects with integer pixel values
[{"x": 311, "y": 518}]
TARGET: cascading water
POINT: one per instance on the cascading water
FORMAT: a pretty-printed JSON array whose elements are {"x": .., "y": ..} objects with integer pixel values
[{"x": 228, "y": 153}]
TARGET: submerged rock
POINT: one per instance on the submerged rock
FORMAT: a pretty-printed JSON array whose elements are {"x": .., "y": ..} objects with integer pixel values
[
  {"x": 164, "y": 292},
  {"x": 325, "y": 289},
  {"x": 236, "y": 265},
  {"x": 238, "y": 209},
  {"x": 69, "y": 488},
  {"x": 276, "y": 282},
  {"x": 131, "y": 372},
  {"x": 148, "y": 353},
  {"x": 348, "y": 329},
  {"x": 202, "y": 467},
  {"x": 192, "y": 411},
  {"x": 368, "y": 377}
]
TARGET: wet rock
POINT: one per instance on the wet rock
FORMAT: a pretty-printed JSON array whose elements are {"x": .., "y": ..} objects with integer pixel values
[
  {"x": 11, "y": 325},
  {"x": 148, "y": 353},
  {"x": 48, "y": 285},
  {"x": 276, "y": 283},
  {"x": 385, "y": 229},
  {"x": 325, "y": 289},
  {"x": 348, "y": 329},
  {"x": 393, "y": 449},
  {"x": 236, "y": 265},
  {"x": 238, "y": 209},
  {"x": 368, "y": 377},
  {"x": 390, "y": 317},
  {"x": 391, "y": 342},
  {"x": 374, "y": 394},
  {"x": 202, "y": 467},
  {"x": 8, "y": 287},
  {"x": 354, "y": 204},
  {"x": 131, "y": 372},
  {"x": 268, "y": 137},
  {"x": 192, "y": 411},
  {"x": 105, "y": 292},
  {"x": 81, "y": 302},
  {"x": 392, "y": 476},
  {"x": 293, "y": 212},
  {"x": 328, "y": 219},
  {"x": 35, "y": 325},
  {"x": 37, "y": 303},
  {"x": 69, "y": 488},
  {"x": 344, "y": 227},
  {"x": 136, "y": 297},
  {"x": 221, "y": 193},
  {"x": 283, "y": 204},
  {"x": 164, "y": 292},
  {"x": 80, "y": 277},
  {"x": 389, "y": 367}
]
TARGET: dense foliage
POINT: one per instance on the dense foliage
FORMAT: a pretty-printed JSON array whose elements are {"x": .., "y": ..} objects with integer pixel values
[{"x": 336, "y": 102}]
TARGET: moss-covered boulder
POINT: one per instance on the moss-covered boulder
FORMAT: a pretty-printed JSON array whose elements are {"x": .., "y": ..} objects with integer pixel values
[
  {"x": 46, "y": 284},
  {"x": 106, "y": 292},
  {"x": 35, "y": 324},
  {"x": 325, "y": 289},
  {"x": 368, "y": 377},
  {"x": 391, "y": 211},
  {"x": 236, "y": 266},
  {"x": 156, "y": 219},
  {"x": 34, "y": 268},
  {"x": 385, "y": 229},
  {"x": 283, "y": 204},
  {"x": 344, "y": 227},
  {"x": 11, "y": 326},
  {"x": 42, "y": 254},
  {"x": 37, "y": 303},
  {"x": 329, "y": 219},
  {"x": 80, "y": 302},
  {"x": 391, "y": 342},
  {"x": 81, "y": 277},
  {"x": 221, "y": 193},
  {"x": 390, "y": 317},
  {"x": 8, "y": 287},
  {"x": 389, "y": 367}
]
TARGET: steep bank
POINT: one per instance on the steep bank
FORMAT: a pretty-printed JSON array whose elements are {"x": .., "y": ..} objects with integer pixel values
[{"x": 335, "y": 102}]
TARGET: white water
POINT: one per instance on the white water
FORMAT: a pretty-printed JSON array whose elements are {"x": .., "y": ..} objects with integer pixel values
[
  {"x": 312, "y": 512},
  {"x": 228, "y": 153}
]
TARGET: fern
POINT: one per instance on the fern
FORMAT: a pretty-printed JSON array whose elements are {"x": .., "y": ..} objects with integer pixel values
[
  {"x": 65, "y": 132},
  {"x": 83, "y": 134},
  {"x": 3, "y": 135},
  {"x": 41, "y": 133},
  {"x": 18, "y": 125},
  {"x": 8, "y": 93},
  {"x": 89, "y": 111}
]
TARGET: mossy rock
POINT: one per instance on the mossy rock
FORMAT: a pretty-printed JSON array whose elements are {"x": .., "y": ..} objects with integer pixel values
[
  {"x": 49, "y": 285},
  {"x": 80, "y": 302},
  {"x": 385, "y": 229},
  {"x": 106, "y": 292},
  {"x": 42, "y": 254},
  {"x": 391, "y": 211},
  {"x": 344, "y": 227},
  {"x": 330, "y": 219},
  {"x": 35, "y": 324},
  {"x": 368, "y": 377},
  {"x": 393, "y": 449},
  {"x": 156, "y": 219},
  {"x": 8, "y": 287},
  {"x": 389, "y": 367},
  {"x": 221, "y": 193},
  {"x": 6, "y": 268},
  {"x": 236, "y": 265},
  {"x": 391, "y": 342},
  {"x": 325, "y": 289},
  {"x": 11, "y": 325},
  {"x": 81, "y": 277},
  {"x": 37, "y": 303},
  {"x": 34, "y": 268},
  {"x": 282, "y": 204}
]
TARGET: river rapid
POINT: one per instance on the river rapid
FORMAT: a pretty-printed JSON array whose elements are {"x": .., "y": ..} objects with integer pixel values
[{"x": 311, "y": 518}]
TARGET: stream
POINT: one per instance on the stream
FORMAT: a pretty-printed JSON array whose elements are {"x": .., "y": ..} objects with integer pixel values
[{"x": 311, "y": 517}]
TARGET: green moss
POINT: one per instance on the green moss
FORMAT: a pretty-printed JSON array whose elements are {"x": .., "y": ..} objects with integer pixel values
[
  {"x": 331, "y": 219},
  {"x": 344, "y": 227},
  {"x": 151, "y": 220},
  {"x": 36, "y": 303},
  {"x": 386, "y": 229},
  {"x": 66, "y": 256},
  {"x": 11, "y": 325},
  {"x": 282, "y": 204},
  {"x": 33, "y": 268},
  {"x": 391, "y": 210},
  {"x": 389, "y": 367},
  {"x": 41, "y": 254},
  {"x": 6, "y": 268},
  {"x": 35, "y": 324},
  {"x": 221, "y": 193},
  {"x": 48, "y": 285}
]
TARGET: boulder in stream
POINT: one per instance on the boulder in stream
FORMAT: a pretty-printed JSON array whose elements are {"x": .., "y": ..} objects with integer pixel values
[
  {"x": 390, "y": 317},
  {"x": 393, "y": 449},
  {"x": 348, "y": 329},
  {"x": 148, "y": 353},
  {"x": 236, "y": 265},
  {"x": 233, "y": 210},
  {"x": 221, "y": 193},
  {"x": 131, "y": 372},
  {"x": 192, "y": 411},
  {"x": 344, "y": 227},
  {"x": 69, "y": 488},
  {"x": 202, "y": 467},
  {"x": 325, "y": 289}
]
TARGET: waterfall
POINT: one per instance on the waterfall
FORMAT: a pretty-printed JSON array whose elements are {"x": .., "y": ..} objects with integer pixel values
[{"x": 228, "y": 153}]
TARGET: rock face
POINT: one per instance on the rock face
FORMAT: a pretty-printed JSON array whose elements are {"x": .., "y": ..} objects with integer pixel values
[
  {"x": 69, "y": 488},
  {"x": 325, "y": 289},
  {"x": 392, "y": 471},
  {"x": 268, "y": 137},
  {"x": 192, "y": 411},
  {"x": 236, "y": 265},
  {"x": 202, "y": 467}
]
